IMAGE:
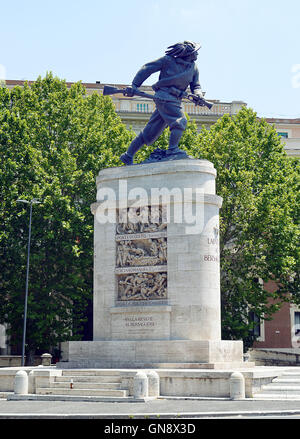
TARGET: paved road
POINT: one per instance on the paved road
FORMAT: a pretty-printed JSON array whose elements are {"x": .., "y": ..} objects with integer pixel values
[{"x": 155, "y": 409}]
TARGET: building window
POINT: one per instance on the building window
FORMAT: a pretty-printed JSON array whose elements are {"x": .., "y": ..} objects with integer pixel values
[
  {"x": 143, "y": 108},
  {"x": 283, "y": 134},
  {"x": 297, "y": 323},
  {"x": 256, "y": 329}
]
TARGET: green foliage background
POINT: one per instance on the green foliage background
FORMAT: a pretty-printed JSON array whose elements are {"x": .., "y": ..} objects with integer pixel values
[{"x": 53, "y": 142}]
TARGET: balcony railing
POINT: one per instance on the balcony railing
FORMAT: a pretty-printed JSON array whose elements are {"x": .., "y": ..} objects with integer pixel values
[
  {"x": 292, "y": 146},
  {"x": 148, "y": 107}
]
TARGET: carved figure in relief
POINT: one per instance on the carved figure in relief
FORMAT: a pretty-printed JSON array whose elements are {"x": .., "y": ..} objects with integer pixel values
[
  {"x": 143, "y": 286},
  {"x": 142, "y": 252},
  {"x": 135, "y": 250},
  {"x": 162, "y": 250},
  {"x": 159, "y": 287},
  {"x": 153, "y": 248},
  {"x": 126, "y": 287},
  {"x": 154, "y": 227},
  {"x": 128, "y": 227},
  {"x": 141, "y": 220},
  {"x": 123, "y": 254}
]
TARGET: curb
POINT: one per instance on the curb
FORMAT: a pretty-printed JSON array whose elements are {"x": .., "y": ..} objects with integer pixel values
[
  {"x": 78, "y": 398},
  {"x": 145, "y": 416},
  {"x": 54, "y": 397}
]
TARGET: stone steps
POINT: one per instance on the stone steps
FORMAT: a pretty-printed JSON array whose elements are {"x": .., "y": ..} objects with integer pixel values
[
  {"x": 278, "y": 388},
  {"x": 87, "y": 383},
  {"x": 286, "y": 382},
  {"x": 82, "y": 392},
  {"x": 88, "y": 379},
  {"x": 91, "y": 372},
  {"x": 276, "y": 396},
  {"x": 39, "y": 397},
  {"x": 84, "y": 385},
  {"x": 295, "y": 375},
  {"x": 286, "y": 386}
]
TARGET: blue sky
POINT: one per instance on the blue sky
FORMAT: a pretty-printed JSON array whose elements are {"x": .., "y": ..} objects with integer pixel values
[{"x": 250, "y": 48}]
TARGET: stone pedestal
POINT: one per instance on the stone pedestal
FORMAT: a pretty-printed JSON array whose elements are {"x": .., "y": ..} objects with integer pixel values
[{"x": 156, "y": 270}]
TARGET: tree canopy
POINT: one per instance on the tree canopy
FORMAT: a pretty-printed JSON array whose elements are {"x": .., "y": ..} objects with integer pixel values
[{"x": 53, "y": 142}]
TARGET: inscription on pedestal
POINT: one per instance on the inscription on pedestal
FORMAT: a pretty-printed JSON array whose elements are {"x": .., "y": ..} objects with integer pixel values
[
  {"x": 210, "y": 258},
  {"x": 141, "y": 324},
  {"x": 213, "y": 242},
  {"x": 155, "y": 269},
  {"x": 141, "y": 236},
  {"x": 139, "y": 321}
]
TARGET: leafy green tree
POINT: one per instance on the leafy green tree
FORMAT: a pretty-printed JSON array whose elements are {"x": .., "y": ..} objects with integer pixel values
[
  {"x": 53, "y": 142},
  {"x": 259, "y": 218}
]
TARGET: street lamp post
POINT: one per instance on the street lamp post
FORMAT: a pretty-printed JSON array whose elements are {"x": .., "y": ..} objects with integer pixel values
[{"x": 33, "y": 201}]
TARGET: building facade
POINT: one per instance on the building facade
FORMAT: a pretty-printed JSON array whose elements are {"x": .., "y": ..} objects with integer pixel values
[
  {"x": 289, "y": 131},
  {"x": 283, "y": 331}
]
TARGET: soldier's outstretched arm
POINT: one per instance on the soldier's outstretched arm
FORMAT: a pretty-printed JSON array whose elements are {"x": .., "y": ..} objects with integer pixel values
[{"x": 146, "y": 70}]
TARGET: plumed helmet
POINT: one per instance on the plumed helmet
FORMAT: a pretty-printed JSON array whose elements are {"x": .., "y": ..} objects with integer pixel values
[{"x": 181, "y": 50}]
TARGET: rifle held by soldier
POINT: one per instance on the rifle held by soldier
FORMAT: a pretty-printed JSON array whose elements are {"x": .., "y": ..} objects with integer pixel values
[{"x": 129, "y": 91}]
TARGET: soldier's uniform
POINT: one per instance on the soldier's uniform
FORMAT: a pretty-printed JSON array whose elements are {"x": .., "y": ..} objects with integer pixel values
[{"x": 176, "y": 74}]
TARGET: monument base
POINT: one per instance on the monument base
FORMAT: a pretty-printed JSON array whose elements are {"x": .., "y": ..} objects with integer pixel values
[{"x": 175, "y": 354}]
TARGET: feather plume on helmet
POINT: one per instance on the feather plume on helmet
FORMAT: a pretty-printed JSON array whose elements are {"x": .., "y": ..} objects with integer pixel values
[{"x": 182, "y": 50}]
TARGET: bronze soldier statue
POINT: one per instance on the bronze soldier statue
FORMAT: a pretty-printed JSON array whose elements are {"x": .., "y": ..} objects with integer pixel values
[{"x": 177, "y": 71}]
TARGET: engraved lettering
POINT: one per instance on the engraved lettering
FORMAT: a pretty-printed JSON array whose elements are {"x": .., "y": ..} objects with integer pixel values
[
  {"x": 134, "y": 236},
  {"x": 211, "y": 258}
]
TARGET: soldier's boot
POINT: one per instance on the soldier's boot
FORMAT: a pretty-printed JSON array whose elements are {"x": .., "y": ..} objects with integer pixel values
[
  {"x": 175, "y": 137},
  {"x": 136, "y": 144}
]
